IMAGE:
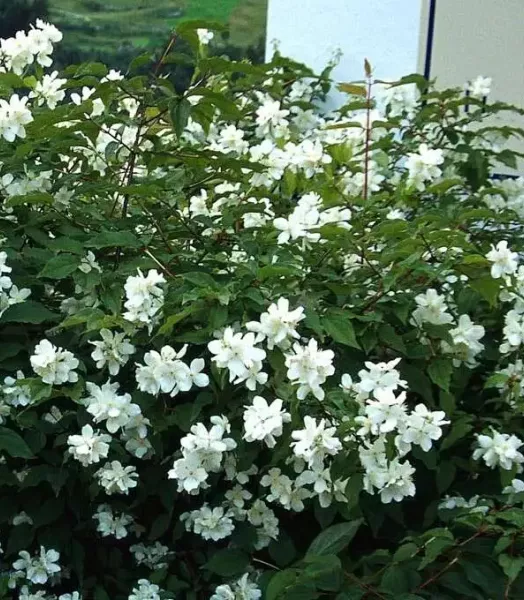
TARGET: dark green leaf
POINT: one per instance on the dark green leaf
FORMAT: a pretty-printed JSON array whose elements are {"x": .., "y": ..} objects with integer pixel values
[
  {"x": 13, "y": 444},
  {"x": 334, "y": 538}
]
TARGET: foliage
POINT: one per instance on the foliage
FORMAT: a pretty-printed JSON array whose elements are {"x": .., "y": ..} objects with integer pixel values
[
  {"x": 251, "y": 349},
  {"x": 19, "y": 14},
  {"x": 116, "y": 32}
]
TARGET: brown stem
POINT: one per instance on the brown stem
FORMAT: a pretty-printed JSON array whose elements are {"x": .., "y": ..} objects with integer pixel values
[
  {"x": 369, "y": 589},
  {"x": 368, "y": 137}
]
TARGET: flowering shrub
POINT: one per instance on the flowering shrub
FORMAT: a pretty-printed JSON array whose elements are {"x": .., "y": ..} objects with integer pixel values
[{"x": 250, "y": 348}]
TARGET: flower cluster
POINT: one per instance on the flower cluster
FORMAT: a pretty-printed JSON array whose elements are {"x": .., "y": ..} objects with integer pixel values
[
  {"x": 9, "y": 293},
  {"x": 54, "y": 365},
  {"x": 145, "y": 297},
  {"x": 165, "y": 372}
]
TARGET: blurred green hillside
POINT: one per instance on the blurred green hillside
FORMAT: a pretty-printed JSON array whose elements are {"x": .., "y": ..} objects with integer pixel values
[{"x": 114, "y": 30}]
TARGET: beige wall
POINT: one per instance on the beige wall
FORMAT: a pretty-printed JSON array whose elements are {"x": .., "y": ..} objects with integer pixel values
[{"x": 478, "y": 37}]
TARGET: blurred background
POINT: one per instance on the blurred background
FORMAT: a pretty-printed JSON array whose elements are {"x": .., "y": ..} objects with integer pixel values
[{"x": 115, "y": 31}]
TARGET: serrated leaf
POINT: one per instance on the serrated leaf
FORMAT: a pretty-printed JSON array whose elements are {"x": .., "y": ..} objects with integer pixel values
[
  {"x": 440, "y": 371},
  {"x": 341, "y": 330},
  {"x": 60, "y": 266},
  {"x": 29, "y": 312}
]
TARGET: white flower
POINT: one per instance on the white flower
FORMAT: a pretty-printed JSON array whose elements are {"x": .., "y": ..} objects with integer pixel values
[
  {"x": 385, "y": 414},
  {"x": 278, "y": 325},
  {"x": 106, "y": 405},
  {"x": 379, "y": 380},
  {"x": 202, "y": 451},
  {"x": 14, "y": 115},
  {"x": 22, "y": 518},
  {"x": 39, "y": 568},
  {"x": 205, "y": 36},
  {"x": 189, "y": 472},
  {"x": 263, "y": 421},
  {"x": 315, "y": 442},
  {"x": 513, "y": 332},
  {"x": 236, "y": 352},
  {"x": 25, "y": 594},
  {"x": 210, "y": 523},
  {"x": 72, "y": 596},
  {"x": 309, "y": 367},
  {"x": 115, "y": 478},
  {"x": 466, "y": 338},
  {"x": 479, "y": 87},
  {"x": 49, "y": 90},
  {"x": 243, "y": 589},
  {"x": 145, "y": 298},
  {"x": 88, "y": 263},
  {"x": 150, "y": 556},
  {"x": 114, "y": 350},
  {"x": 399, "y": 482},
  {"x": 422, "y": 427},
  {"x": 89, "y": 447},
  {"x": 145, "y": 591},
  {"x": 423, "y": 166},
  {"x": 166, "y": 372},
  {"x": 505, "y": 262},
  {"x": 110, "y": 523},
  {"x": 399, "y": 99},
  {"x": 431, "y": 308},
  {"x": 16, "y": 395},
  {"x": 271, "y": 119},
  {"x": 499, "y": 449},
  {"x": 237, "y": 496},
  {"x": 516, "y": 487},
  {"x": 54, "y": 365}
]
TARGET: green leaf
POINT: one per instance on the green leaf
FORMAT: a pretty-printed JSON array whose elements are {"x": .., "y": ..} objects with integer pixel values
[
  {"x": 32, "y": 198},
  {"x": 60, "y": 266},
  {"x": 511, "y": 565},
  {"x": 445, "y": 475},
  {"x": 440, "y": 371},
  {"x": 279, "y": 583},
  {"x": 387, "y": 334},
  {"x": 201, "y": 279},
  {"x": 13, "y": 444},
  {"x": 324, "y": 571},
  {"x": 172, "y": 320},
  {"x": 515, "y": 516},
  {"x": 228, "y": 562},
  {"x": 341, "y": 330},
  {"x": 352, "y": 88},
  {"x": 282, "y": 551},
  {"x": 488, "y": 288},
  {"x": 334, "y": 539},
  {"x": 179, "y": 113},
  {"x": 405, "y": 552},
  {"x": 459, "y": 430},
  {"x": 160, "y": 526},
  {"x": 101, "y": 594},
  {"x": 395, "y": 580},
  {"x": 106, "y": 239},
  {"x": 28, "y": 312}
]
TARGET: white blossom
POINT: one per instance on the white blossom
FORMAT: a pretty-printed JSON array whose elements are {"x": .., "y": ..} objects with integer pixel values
[
  {"x": 90, "y": 446},
  {"x": 263, "y": 421},
  {"x": 113, "y": 350},
  {"x": 117, "y": 479},
  {"x": 54, "y": 365}
]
